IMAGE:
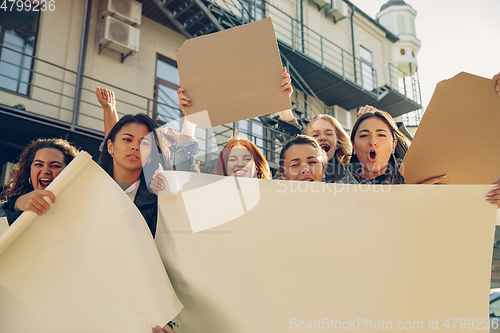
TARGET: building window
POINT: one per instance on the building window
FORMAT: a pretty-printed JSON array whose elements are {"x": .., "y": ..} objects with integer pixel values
[
  {"x": 366, "y": 69},
  {"x": 18, "y": 31},
  {"x": 412, "y": 26},
  {"x": 255, "y": 131},
  {"x": 252, "y": 10},
  {"x": 165, "y": 110},
  {"x": 401, "y": 24}
]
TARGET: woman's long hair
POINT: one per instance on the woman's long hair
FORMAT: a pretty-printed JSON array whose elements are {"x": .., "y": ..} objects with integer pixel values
[
  {"x": 263, "y": 171},
  {"x": 344, "y": 150},
  {"x": 22, "y": 170},
  {"x": 157, "y": 155}
]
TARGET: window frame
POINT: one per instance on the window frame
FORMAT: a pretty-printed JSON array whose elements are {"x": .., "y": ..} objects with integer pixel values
[
  {"x": 160, "y": 81},
  {"x": 252, "y": 8},
  {"x": 365, "y": 62},
  {"x": 3, "y": 25}
]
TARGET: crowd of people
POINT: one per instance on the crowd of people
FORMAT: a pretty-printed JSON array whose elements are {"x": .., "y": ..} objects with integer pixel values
[{"x": 135, "y": 150}]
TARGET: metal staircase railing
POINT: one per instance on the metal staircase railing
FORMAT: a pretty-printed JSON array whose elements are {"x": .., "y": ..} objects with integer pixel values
[{"x": 325, "y": 52}]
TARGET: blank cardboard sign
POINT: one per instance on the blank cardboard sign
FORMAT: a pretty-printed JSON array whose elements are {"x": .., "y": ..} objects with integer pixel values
[
  {"x": 459, "y": 134},
  {"x": 88, "y": 264},
  {"x": 288, "y": 254},
  {"x": 233, "y": 74}
]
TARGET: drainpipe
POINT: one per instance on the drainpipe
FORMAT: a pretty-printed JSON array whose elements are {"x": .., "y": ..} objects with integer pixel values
[
  {"x": 81, "y": 62},
  {"x": 353, "y": 49},
  {"x": 302, "y": 24}
]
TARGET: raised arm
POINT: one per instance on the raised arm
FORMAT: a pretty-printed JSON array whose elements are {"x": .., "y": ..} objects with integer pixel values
[
  {"x": 106, "y": 98},
  {"x": 286, "y": 85},
  {"x": 187, "y": 130}
]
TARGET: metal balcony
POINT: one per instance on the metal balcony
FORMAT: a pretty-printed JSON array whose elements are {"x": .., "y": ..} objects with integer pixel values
[{"x": 332, "y": 73}]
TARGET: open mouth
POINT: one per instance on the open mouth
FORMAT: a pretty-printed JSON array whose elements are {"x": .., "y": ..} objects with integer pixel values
[
  {"x": 372, "y": 155},
  {"x": 325, "y": 147},
  {"x": 240, "y": 173},
  {"x": 133, "y": 157},
  {"x": 44, "y": 182}
]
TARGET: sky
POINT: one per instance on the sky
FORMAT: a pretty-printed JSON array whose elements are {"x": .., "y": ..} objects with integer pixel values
[{"x": 456, "y": 35}]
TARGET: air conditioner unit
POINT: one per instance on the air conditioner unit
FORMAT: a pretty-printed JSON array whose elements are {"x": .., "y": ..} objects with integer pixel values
[
  {"x": 128, "y": 11},
  {"x": 6, "y": 176},
  {"x": 338, "y": 9},
  {"x": 322, "y": 3},
  {"x": 119, "y": 36}
]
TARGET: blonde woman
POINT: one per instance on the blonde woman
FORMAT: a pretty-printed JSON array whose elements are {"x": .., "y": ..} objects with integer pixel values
[{"x": 335, "y": 142}]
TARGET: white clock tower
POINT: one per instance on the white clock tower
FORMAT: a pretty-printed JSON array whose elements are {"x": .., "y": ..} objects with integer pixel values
[{"x": 399, "y": 18}]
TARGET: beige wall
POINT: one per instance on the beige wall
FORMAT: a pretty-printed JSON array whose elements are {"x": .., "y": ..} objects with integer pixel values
[
  {"x": 135, "y": 74},
  {"x": 58, "y": 33},
  {"x": 58, "y": 42}
]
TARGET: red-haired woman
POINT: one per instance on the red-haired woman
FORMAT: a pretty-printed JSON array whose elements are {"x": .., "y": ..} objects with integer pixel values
[{"x": 240, "y": 157}]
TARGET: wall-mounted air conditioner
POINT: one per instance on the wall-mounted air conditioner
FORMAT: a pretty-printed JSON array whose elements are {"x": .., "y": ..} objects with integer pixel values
[
  {"x": 6, "y": 175},
  {"x": 128, "y": 11},
  {"x": 338, "y": 9},
  {"x": 119, "y": 36},
  {"x": 322, "y": 3}
]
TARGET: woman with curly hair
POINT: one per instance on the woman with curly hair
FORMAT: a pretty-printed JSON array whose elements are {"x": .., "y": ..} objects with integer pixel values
[{"x": 38, "y": 165}]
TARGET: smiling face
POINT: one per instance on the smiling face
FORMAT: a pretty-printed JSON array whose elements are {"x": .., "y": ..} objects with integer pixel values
[
  {"x": 324, "y": 132},
  {"x": 373, "y": 145},
  {"x": 301, "y": 163},
  {"x": 131, "y": 150},
  {"x": 46, "y": 165},
  {"x": 240, "y": 163}
]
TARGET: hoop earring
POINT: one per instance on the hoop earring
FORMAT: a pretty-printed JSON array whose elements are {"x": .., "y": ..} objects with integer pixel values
[{"x": 29, "y": 180}]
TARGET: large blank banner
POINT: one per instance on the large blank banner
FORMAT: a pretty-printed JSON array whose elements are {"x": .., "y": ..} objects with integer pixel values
[
  {"x": 88, "y": 264},
  {"x": 4, "y": 225},
  {"x": 249, "y": 255}
]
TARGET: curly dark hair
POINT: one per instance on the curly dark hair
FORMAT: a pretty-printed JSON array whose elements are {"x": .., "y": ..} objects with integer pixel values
[{"x": 22, "y": 170}]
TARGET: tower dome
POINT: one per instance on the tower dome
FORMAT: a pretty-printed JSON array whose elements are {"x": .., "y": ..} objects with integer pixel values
[
  {"x": 399, "y": 17},
  {"x": 391, "y": 3}
]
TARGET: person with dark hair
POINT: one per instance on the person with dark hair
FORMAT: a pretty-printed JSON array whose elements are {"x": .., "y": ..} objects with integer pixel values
[
  {"x": 179, "y": 148},
  {"x": 374, "y": 137},
  {"x": 39, "y": 164},
  {"x": 131, "y": 156},
  {"x": 302, "y": 159}
]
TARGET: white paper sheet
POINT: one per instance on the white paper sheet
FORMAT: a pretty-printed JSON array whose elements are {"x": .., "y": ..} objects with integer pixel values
[
  {"x": 88, "y": 264},
  {"x": 314, "y": 255}
]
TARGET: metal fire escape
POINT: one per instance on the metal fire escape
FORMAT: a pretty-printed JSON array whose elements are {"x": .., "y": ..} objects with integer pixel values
[{"x": 194, "y": 18}]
